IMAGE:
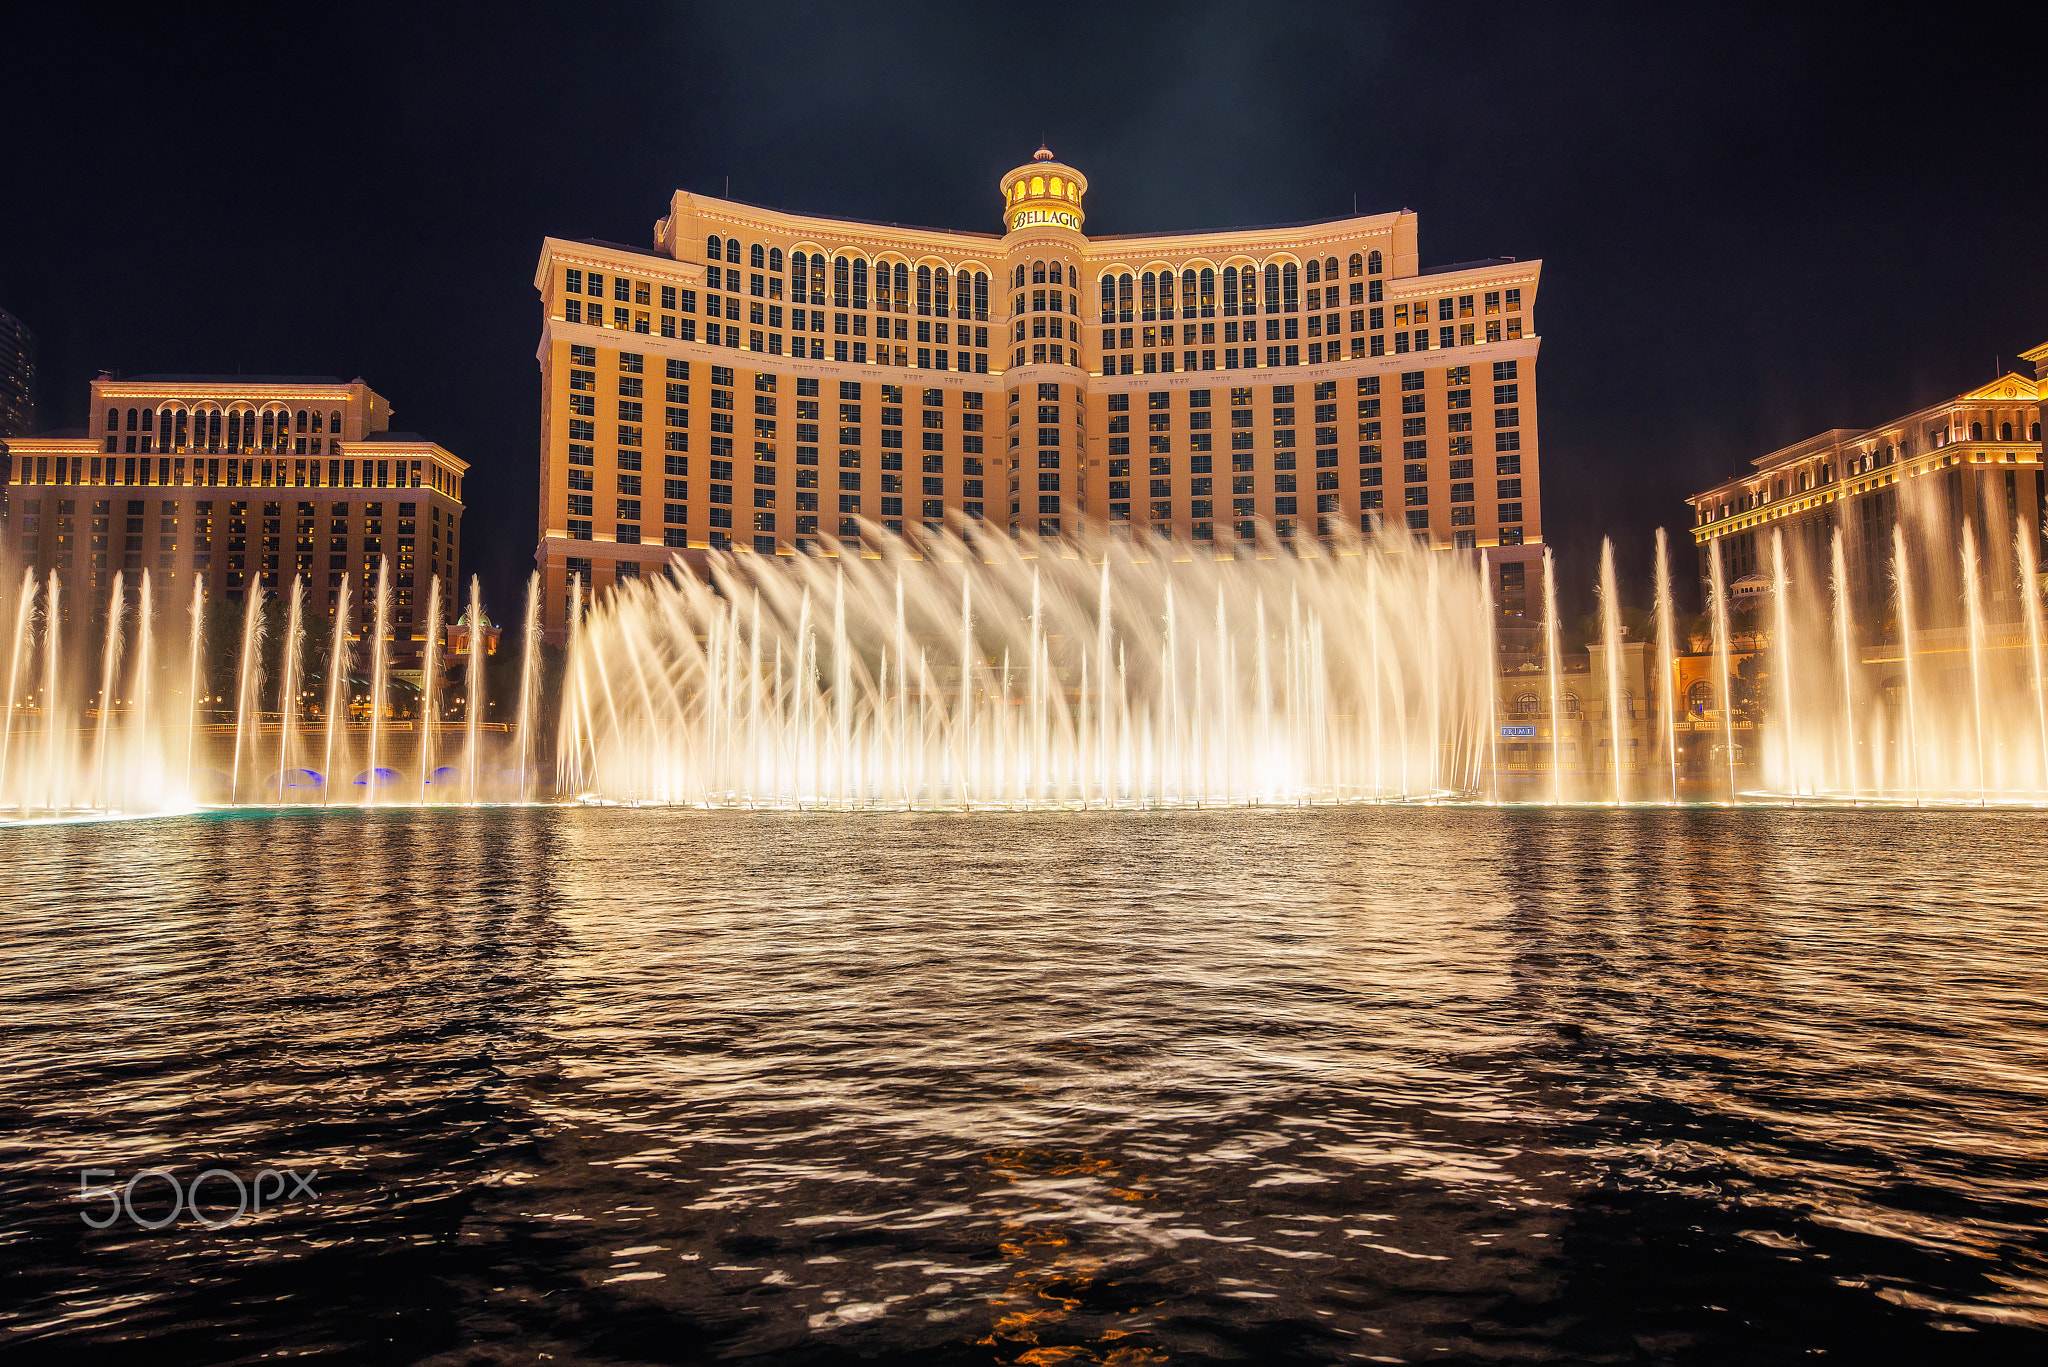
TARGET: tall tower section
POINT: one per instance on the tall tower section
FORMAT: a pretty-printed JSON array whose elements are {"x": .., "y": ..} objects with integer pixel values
[{"x": 1043, "y": 210}]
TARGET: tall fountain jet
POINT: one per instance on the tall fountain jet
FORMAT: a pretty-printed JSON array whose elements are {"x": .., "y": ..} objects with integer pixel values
[
  {"x": 473, "y": 750},
  {"x": 1667, "y": 659},
  {"x": 1724, "y": 686},
  {"x": 288, "y": 681},
  {"x": 430, "y": 688},
  {"x": 1610, "y": 630}
]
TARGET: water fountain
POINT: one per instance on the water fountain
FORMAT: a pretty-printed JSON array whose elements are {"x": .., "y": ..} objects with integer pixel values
[
  {"x": 1667, "y": 659},
  {"x": 970, "y": 672},
  {"x": 1070, "y": 679}
]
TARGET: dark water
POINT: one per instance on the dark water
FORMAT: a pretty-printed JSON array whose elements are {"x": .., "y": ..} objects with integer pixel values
[{"x": 1383, "y": 1085}]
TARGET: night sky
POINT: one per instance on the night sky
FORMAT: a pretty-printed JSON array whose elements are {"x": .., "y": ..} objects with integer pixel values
[{"x": 1752, "y": 227}]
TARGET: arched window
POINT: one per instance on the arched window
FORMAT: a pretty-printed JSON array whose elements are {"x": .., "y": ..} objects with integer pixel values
[
  {"x": 712, "y": 248},
  {"x": 303, "y": 419},
  {"x": 2004, "y": 431},
  {"x": 1037, "y": 186},
  {"x": 234, "y": 431},
  {"x": 799, "y": 279},
  {"x": 775, "y": 259},
  {"x": 860, "y": 282},
  {"x": 817, "y": 277},
  {"x": 1528, "y": 705},
  {"x": 134, "y": 417},
  {"x": 759, "y": 257},
  {"x": 882, "y": 286},
  {"x": 1568, "y": 705},
  {"x": 1315, "y": 271},
  {"x": 1372, "y": 263},
  {"x": 1020, "y": 275},
  {"x": 1109, "y": 299},
  {"x": 1126, "y": 293},
  {"x": 924, "y": 291},
  {"x": 334, "y": 421},
  {"x": 1273, "y": 287},
  {"x": 1187, "y": 294},
  {"x": 1357, "y": 264},
  {"x": 1625, "y": 705},
  {"x": 269, "y": 429},
  {"x": 1290, "y": 289},
  {"x": 1148, "y": 297},
  {"x": 1699, "y": 699},
  {"x": 113, "y": 419},
  {"x": 1056, "y": 187},
  {"x": 1052, "y": 273},
  {"x": 944, "y": 295},
  {"x": 1230, "y": 291},
  {"x": 1976, "y": 431},
  {"x": 1208, "y": 292},
  {"x": 149, "y": 420},
  {"x": 1038, "y": 272},
  {"x": 1330, "y": 268},
  {"x": 902, "y": 287},
  {"x": 732, "y": 250}
]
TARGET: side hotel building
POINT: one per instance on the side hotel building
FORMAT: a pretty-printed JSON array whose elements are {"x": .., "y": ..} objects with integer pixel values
[{"x": 749, "y": 384}]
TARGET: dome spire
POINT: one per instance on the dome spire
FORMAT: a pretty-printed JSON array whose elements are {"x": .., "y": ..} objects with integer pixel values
[{"x": 1043, "y": 153}]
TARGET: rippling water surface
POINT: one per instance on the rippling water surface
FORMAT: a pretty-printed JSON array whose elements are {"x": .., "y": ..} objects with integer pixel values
[{"x": 1267, "y": 1086}]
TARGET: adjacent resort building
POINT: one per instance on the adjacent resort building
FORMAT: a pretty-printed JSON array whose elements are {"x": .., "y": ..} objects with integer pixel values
[
  {"x": 1972, "y": 458},
  {"x": 238, "y": 482},
  {"x": 748, "y": 384}
]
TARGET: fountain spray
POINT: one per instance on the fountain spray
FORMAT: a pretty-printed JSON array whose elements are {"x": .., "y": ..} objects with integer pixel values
[
  {"x": 1726, "y": 690},
  {"x": 1610, "y": 633},
  {"x": 430, "y": 684},
  {"x": 288, "y": 682},
  {"x": 1845, "y": 663},
  {"x": 248, "y": 680},
  {"x": 193, "y": 676},
  {"x": 1554, "y": 663},
  {"x": 1973, "y": 604},
  {"x": 1902, "y": 576},
  {"x": 24, "y": 614},
  {"x": 380, "y": 672},
  {"x": 1667, "y": 659},
  {"x": 473, "y": 755},
  {"x": 110, "y": 668},
  {"x": 529, "y": 676},
  {"x": 53, "y": 728},
  {"x": 1781, "y": 596},
  {"x": 2030, "y": 596},
  {"x": 139, "y": 730},
  {"x": 337, "y": 690}
]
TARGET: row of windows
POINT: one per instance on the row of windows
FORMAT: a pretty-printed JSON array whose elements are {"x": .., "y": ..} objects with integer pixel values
[{"x": 232, "y": 473}]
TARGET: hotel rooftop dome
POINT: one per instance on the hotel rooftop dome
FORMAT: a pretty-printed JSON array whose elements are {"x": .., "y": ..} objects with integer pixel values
[{"x": 1043, "y": 192}]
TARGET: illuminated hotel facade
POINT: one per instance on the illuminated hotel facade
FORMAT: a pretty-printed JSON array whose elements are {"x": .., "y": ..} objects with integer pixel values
[
  {"x": 772, "y": 383},
  {"x": 238, "y": 482},
  {"x": 1972, "y": 459}
]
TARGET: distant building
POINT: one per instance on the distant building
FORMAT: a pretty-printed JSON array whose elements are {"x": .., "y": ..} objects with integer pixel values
[
  {"x": 239, "y": 482},
  {"x": 751, "y": 383},
  {"x": 1975, "y": 458},
  {"x": 17, "y": 377}
]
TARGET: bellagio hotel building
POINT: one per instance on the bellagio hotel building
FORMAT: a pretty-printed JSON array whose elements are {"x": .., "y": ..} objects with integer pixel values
[{"x": 752, "y": 382}]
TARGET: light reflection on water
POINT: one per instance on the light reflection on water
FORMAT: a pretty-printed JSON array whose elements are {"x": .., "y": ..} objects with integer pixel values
[{"x": 1285, "y": 1085}]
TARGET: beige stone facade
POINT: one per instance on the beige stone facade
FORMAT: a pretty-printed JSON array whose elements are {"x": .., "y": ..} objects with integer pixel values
[
  {"x": 238, "y": 483},
  {"x": 772, "y": 383}
]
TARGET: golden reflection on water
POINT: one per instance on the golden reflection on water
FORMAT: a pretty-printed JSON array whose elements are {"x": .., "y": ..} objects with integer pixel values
[{"x": 1103, "y": 1088}]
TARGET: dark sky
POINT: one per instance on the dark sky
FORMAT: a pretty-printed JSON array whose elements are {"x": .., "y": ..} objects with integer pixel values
[{"x": 1754, "y": 225}]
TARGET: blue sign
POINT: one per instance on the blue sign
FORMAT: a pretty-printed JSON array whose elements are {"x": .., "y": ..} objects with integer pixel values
[{"x": 1517, "y": 732}]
